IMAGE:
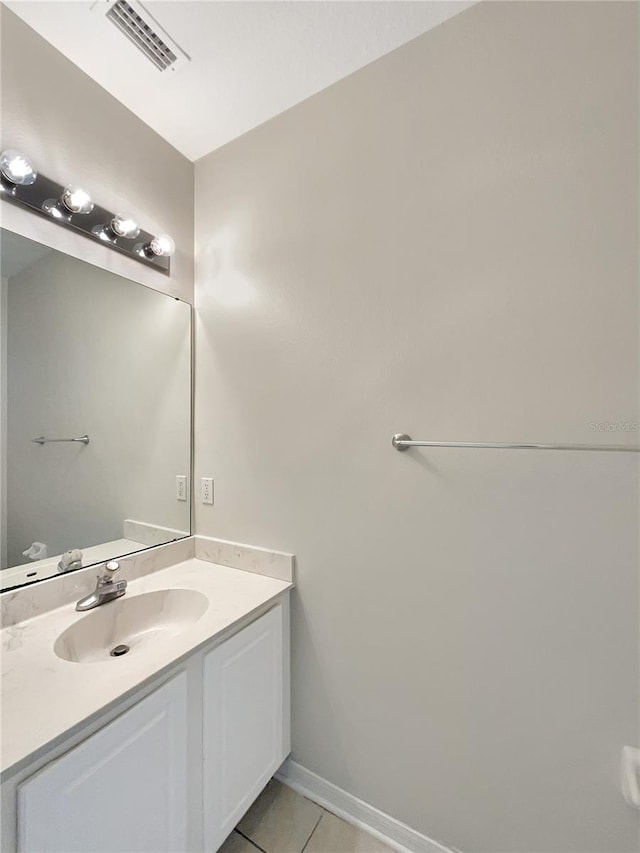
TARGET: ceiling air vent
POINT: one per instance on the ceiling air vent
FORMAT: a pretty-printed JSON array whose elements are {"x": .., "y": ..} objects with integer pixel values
[{"x": 132, "y": 19}]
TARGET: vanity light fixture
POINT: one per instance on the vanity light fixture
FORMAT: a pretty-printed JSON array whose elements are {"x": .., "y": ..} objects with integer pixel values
[
  {"x": 121, "y": 226},
  {"x": 161, "y": 246},
  {"x": 16, "y": 168},
  {"x": 77, "y": 200},
  {"x": 124, "y": 225},
  {"x": 73, "y": 207},
  {"x": 73, "y": 200}
]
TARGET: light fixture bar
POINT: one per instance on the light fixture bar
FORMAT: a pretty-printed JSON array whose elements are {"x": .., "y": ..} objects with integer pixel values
[{"x": 44, "y": 197}]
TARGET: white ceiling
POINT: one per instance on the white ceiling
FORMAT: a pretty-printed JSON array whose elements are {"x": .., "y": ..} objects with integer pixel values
[{"x": 249, "y": 60}]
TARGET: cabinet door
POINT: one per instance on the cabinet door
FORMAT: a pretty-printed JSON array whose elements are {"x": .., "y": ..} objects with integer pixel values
[
  {"x": 123, "y": 790},
  {"x": 243, "y": 722}
]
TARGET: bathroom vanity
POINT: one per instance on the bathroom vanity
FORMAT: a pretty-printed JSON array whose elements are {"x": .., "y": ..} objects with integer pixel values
[
  {"x": 151, "y": 721},
  {"x": 162, "y": 748}
]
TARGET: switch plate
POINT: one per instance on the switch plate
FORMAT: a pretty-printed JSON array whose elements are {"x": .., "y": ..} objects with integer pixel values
[
  {"x": 206, "y": 490},
  {"x": 181, "y": 487}
]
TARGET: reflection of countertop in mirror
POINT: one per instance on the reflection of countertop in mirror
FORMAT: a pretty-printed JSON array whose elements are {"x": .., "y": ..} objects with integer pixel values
[
  {"x": 45, "y": 696},
  {"x": 48, "y": 568}
]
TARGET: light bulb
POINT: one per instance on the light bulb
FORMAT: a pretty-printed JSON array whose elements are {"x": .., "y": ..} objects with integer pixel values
[
  {"x": 17, "y": 168},
  {"x": 162, "y": 246},
  {"x": 77, "y": 200},
  {"x": 124, "y": 225}
]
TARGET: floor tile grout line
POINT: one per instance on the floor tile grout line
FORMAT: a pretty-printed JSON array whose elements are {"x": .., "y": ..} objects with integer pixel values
[
  {"x": 250, "y": 840},
  {"x": 314, "y": 829}
]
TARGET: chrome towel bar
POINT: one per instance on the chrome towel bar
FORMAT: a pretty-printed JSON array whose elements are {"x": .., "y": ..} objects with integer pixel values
[
  {"x": 83, "y": 439},
  {"x": 401, "y": 441}
]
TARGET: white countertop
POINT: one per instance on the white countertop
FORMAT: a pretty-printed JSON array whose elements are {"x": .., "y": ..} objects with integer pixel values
[{"x": 44, "y": 696}]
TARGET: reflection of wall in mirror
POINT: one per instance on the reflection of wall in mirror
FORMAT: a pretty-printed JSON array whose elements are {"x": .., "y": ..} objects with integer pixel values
[{"x": 89, "y": 352}]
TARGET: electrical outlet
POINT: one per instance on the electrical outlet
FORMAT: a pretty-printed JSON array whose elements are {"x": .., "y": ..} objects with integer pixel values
[
  {"x": 206, "y": 490},
  {"x": 181, "y": 487}
]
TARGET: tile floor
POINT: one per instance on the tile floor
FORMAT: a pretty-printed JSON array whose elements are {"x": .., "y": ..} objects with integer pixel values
[{"x": 282, "y": 821}]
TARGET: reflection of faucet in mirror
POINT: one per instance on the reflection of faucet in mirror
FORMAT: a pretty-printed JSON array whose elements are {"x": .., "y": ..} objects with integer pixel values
[
  {"x": 107, "y": 588},
  {"x": 36, "y": 551},
  {"x": 70, "y": 560}
]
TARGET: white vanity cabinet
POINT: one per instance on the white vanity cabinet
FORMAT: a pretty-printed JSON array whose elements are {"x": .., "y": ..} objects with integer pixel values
[
  {"x": 243, "y": 735},
  {"x": 124, "y": 788},
  {"x": 176, "y": 766}
]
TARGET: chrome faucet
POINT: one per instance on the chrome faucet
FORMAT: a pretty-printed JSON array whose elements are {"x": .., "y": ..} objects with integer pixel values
[{"x": 109, "y": 586}]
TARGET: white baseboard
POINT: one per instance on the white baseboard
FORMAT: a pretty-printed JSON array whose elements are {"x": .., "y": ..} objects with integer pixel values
[{"x": 387, "y": 829}]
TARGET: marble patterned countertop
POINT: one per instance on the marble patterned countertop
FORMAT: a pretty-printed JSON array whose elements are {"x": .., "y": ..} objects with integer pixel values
[{"x": 44, "y": 696}]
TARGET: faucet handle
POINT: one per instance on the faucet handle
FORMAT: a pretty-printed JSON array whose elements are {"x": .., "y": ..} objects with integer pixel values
[{"x": 108, "y": 573}]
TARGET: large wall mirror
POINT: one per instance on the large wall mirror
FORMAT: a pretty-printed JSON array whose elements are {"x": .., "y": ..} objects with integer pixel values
[{"x": 95, "y": 422}]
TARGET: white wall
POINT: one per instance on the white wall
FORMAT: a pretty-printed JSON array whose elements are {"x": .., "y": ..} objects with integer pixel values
[
  {"x": 76, "y": 132},
  {"x": 3, "y": 420},
  {"x": 444, "y": 243},
  {"x": 90, "y": 352}
]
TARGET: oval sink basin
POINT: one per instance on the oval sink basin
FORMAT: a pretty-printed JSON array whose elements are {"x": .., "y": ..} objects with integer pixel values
[{"x": 129, "y": 624}]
